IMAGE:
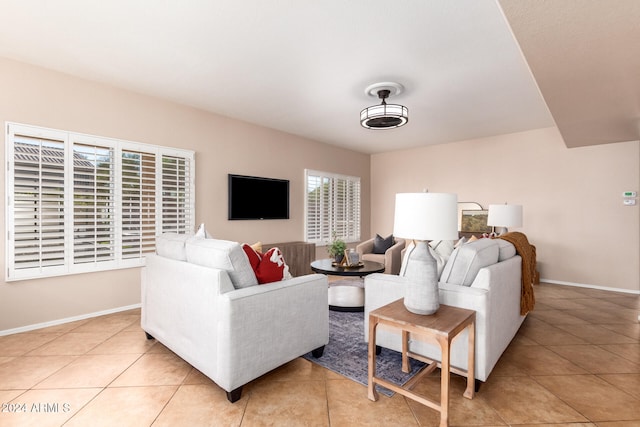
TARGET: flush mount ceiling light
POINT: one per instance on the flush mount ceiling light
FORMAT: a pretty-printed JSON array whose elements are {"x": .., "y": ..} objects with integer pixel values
[{"x": 384, "y": 116}]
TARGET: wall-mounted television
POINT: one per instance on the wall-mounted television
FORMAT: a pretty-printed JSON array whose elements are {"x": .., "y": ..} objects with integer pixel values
[{"x": 253, "y": 197}]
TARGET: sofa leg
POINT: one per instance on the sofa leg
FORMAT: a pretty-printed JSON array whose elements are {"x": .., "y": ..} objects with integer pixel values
[
  {"x": 378, "y": 350},
  {"x": 318, "y": 352},
  {"x": 477, "y": 384},
  {"x": 234, "y": 395},
  {"x": 149, "y": 336}
]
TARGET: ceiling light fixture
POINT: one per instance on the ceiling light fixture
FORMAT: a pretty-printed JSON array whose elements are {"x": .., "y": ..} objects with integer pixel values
[{"x": 384, "y": 116}]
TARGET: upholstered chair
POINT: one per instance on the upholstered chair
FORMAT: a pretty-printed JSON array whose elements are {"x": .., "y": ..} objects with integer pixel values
[{"x": 386, "y": 251}]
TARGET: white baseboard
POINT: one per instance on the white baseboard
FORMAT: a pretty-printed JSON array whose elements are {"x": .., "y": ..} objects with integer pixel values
[
  {"x": 583, "y": 285},
  {"x": 67, "y": 320}
]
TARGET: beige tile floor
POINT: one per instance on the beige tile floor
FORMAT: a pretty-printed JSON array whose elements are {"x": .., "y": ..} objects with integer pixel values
[{"x": 574, "y": 362}]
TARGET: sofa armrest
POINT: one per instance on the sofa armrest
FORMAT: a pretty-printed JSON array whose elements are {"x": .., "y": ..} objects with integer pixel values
[
  {"x": 379, "y": 290},
  {"x": 159, "y": 280},
  {"x": 503, "y": 282},
  {"x": 260, "y": 326},
  {"x": 174, "y": 293},
  {"x": 393, "y": 257}
]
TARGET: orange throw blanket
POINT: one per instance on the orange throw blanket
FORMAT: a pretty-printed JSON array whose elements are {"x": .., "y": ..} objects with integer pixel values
[{"x": 528, "y": 254}]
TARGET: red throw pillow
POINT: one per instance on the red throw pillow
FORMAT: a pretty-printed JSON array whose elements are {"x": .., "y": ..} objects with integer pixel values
[
  {"x": 272, "y": 267},
  {"x": 254, "y": 256},
  {"x": 269, "y": 267}
]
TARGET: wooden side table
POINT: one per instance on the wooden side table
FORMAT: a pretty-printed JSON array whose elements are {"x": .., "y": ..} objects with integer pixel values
[{"x": 439, "y": 328}]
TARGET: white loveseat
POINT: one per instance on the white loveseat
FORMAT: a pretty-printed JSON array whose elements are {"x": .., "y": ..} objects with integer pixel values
[
  {"x": 484, "y": 276},
  {"x": 200, "y": 298}
]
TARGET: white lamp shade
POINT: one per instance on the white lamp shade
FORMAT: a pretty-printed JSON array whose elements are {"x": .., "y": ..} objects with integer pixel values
[
  {"x": 426, "y": 216},
  {"x": 505, "y": 215}
]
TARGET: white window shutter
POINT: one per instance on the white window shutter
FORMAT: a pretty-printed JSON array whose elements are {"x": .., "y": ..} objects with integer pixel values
[
  {"x": 138, "y": 203},
  {"x": 94, "y": 221},
  {"x": 177, "y": 210},
  {"x": 78, "y": 203},
  {"x": 332, "y": 207},
  {"x": 36, "y": 201}
]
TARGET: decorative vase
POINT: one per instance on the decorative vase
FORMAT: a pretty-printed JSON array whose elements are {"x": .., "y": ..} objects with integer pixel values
[
  {"x": 354, "y": 257},
  {"x": 421, "y": 287}
]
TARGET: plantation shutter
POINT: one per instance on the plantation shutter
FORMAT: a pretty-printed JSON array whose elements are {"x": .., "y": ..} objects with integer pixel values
[
  {"x": 177, "y": 209},
  {"x": 351, "y": 203},
  {"x": 93, "y": 204},
  {"x": 314, "y": 211},
  {"x": 78, "y": 203},
  {"x": 340, "y": 207},
  {"x": 138, "y": 203},
  {"x": 37, "y": 220},
  {"x": 332, "y": 207}
]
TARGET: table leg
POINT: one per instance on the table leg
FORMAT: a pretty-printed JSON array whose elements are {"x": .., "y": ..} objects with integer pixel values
[
  {"x": 371, "y": 388},
  {"x": 471, "y": 365},
  {"x": 445, "y": 346},
  {"x": 406, "y": 364}
]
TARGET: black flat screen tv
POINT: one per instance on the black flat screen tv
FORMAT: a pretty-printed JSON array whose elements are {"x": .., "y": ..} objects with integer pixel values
[{"x": 253, "y": 197}]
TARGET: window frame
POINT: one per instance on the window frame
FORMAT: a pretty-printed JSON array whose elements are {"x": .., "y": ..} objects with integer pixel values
[
  {"x": 107, "y": 201},
  {"x": 328, "y": 223}
]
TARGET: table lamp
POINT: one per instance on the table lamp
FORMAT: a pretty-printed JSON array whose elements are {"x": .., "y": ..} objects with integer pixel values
[
  {"x": 504, "y": 216},
  {"x": 423, "y": 217}
]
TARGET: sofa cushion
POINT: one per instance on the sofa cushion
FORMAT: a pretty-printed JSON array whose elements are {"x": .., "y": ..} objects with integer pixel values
[
  {"x": 468, "y": 259},
  {"x": 381, "y": 244},
  {"x": 507, "y": 250},
  {"x": 224, "y": 255},
  {"x": 172, "y": 245}
]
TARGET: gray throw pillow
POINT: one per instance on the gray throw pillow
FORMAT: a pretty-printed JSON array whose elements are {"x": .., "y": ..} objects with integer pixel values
[{"x": 380, "y": 244}]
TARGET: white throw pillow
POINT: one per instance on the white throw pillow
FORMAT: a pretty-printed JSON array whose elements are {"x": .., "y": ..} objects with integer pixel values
[
  {"x": 172, "y": 245},
  {"x": 224, "y": 255},
  {"x": 406, "y": 251},
  {"x": 202, "y": 232},
  {"x": 444, "y": 248},
  {"x": 468, "y": 259}
]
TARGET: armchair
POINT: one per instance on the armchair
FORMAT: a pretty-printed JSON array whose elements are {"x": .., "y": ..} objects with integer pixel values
[{"x": 391, "y": 258}]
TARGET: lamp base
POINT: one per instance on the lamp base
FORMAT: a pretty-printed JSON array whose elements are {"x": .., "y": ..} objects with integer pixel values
[{"x": 421, "y": 290}]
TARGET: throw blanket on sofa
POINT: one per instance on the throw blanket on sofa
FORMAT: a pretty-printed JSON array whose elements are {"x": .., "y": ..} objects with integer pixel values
[{"x": 528, "y": 254}]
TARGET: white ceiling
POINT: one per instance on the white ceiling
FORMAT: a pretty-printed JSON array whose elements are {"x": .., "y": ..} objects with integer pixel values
[{"x": 297, "y": 66}]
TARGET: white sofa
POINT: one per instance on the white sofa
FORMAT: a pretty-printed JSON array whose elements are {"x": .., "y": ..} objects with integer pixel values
[
  {"x": 200, "y": 298},
  {"x": 484, "y": 276}
]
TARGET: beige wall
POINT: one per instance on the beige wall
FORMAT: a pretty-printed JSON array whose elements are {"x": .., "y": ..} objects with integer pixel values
[
  {"x": 572, "y": 198},
  {"x": 35, "y": 96}
]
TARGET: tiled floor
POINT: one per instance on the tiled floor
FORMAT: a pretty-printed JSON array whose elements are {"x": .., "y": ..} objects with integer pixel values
[{"x": 575, "y": 362}]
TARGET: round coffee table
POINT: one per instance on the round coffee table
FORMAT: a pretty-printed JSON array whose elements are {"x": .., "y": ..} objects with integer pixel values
[{"x": 346, "y": 296}]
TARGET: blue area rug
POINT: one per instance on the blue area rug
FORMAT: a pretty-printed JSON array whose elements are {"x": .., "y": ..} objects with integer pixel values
[{"x": 347, "y": 353}]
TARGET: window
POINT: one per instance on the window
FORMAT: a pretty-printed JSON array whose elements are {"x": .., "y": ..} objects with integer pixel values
[
  {"x": 332, "y": 205},
  {"x": 79, "y": 203}
]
